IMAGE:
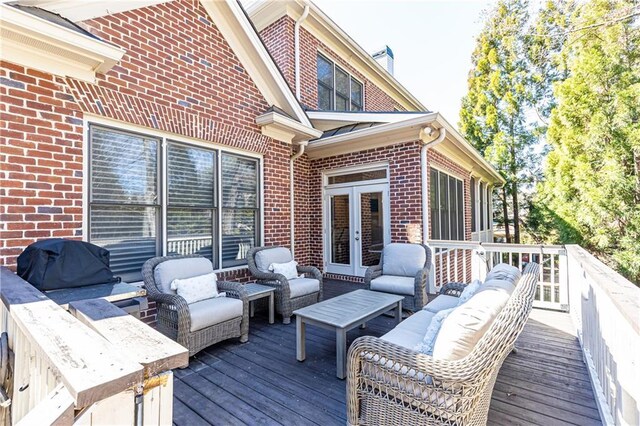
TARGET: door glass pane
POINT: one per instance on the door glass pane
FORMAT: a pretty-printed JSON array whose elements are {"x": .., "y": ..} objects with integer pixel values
[
  {"x": 340, "y": 230},
  {"x": 371, "y": 227}
]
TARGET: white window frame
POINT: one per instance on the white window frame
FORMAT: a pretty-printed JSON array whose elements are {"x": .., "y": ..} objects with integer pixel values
[
  {"x": 464, "y": 221},
  {"x": 333, "y": 62},
  {"x": 164, "y": 138}
]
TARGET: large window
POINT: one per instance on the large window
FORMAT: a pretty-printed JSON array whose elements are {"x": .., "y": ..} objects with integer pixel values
[
  {"x": 446, "y": 205},
  {"x": 135, "y": 215},
  {"x": 337, "y": 90}
]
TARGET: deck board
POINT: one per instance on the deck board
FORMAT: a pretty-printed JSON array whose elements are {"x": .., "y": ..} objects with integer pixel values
[{"x": 260, "y": 382}]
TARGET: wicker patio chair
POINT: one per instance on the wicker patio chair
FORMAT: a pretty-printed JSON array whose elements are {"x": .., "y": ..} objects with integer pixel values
[
  {"x": 404, "y": 270},
  {"x": 175, "y": 315},
  {"x": 392, "y": 385},
  {"x": 290, "y": 294}
]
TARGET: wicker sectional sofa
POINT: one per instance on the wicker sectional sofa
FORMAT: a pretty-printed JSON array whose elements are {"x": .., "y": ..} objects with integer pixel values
[{"x": 390, "y": 382}]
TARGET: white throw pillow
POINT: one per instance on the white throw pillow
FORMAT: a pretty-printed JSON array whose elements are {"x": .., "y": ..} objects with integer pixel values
[
  {"x": 288, "y": 269},
  {"x": 196, "y": 288},
  {"x": 469, "y": 291},
  {"x": 426, "y": 346}
]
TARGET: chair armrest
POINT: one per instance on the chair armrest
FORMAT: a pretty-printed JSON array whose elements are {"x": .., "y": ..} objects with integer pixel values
[
  {"x": 420, "y": 288},
  {"x": 372, "y": 273},
  {"x": 312, "y": 270},
  {"x": 235, "y": 290},
  {"x": 453, "y": 289},
  {"x": 177, "y": 303},
  {"x": 404, "y": 362}
]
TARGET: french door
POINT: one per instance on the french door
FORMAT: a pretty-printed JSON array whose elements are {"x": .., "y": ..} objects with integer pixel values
[{"x": 356, "y": 227}]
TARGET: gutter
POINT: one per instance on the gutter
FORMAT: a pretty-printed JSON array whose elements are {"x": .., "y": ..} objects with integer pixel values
[
  {"x": 427, "y": 142},
  {"x": 294, "y": 157},
  {"x": 296, "y": 48}
]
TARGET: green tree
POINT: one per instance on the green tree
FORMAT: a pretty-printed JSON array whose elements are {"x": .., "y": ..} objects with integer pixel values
[
  {"x": 495, "y": 112},
  {"x": 591, "y": 191}
]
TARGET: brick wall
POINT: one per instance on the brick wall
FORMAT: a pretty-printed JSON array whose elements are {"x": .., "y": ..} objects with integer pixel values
[
  {"x": 279, "y": 40},
  {"x": 40, "y": 160}
]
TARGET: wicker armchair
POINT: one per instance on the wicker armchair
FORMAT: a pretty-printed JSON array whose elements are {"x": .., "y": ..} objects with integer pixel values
[
  {"x": 403, "y": 269},
  {"x": 392, "y": 385},
  {"x": 288, "y": 297},
  {"x": 175, "y": 315}
]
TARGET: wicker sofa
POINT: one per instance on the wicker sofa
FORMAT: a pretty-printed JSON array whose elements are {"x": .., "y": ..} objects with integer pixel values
[
  {"x": 403, "y": 269},
  {"x": 391, "y": 383},
  {"x": 201, "y": 324},
  {"x": 290, "y": 294}
]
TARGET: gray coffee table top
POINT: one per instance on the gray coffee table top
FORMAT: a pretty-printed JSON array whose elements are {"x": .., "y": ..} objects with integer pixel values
[{"x": 348, "y": 309}]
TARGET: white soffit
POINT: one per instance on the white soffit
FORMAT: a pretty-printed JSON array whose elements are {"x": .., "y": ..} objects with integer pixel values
[
  {"x": 37, "y": 43},
  {"x": 285, "y": 129},
  {"x": 327, "y": 120},
  {"x": 82, "y": 10}
]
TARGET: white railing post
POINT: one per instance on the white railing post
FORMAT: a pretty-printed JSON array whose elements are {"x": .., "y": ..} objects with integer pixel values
[
  {"x": 564, "y": 281},
  {"x": 479, "y": 264}
]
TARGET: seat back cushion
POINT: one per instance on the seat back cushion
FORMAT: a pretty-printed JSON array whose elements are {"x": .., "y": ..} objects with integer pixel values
[
  {"x": 466, "y": 325},
  {"x": 289, "y": 269},
  {"x": 403, "y": 260},
  {"x": 264, "y": 258},
  {"x": 429, "y": 339},
  {"x": 498, "y": 285},
  {"x": 198, "y": 288},
  {"x": 169, "y": 270},
  {"x": 503, "y": 271}
]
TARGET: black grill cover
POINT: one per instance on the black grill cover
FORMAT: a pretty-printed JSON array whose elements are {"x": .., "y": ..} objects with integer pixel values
[{"x": 58, "y": 263}]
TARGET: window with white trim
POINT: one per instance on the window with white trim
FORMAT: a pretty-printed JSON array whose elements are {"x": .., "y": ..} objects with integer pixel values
[
  {"x": 130, "y": 210},
  {"x": 337, "y": 89},
  {"x": 446, "y": 205}
]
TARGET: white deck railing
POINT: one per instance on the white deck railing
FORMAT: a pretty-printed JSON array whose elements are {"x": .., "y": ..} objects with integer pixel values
[{"x": 604, "y": 307}]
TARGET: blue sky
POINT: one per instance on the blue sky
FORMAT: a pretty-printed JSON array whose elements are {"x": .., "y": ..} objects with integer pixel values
[{"x": 432, "y": 42}]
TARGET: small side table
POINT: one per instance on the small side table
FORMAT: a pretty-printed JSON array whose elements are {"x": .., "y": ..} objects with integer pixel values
[{"x": 258, "y": 291}]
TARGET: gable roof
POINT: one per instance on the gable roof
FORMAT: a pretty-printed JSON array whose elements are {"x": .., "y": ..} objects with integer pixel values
[
  {"x": 230, "y": 19},
  {"x": 264, "y": 13}
]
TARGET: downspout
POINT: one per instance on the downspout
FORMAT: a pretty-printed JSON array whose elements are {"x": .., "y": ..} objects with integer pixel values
[
  {"x": 296, "y": 48},
  {"x": 294, "y": 157},
  {"x": 428, "y": 141}
]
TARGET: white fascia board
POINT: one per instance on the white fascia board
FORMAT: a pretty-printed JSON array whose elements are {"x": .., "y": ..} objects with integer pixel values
[
  {"x": 326, "y": 30},
  {"x": 372, "y": 137},
  {"x": 285, "y": 129},
  {"x": 358, "y": 117},
  {"x": 484, "y": 167},
  {"x": 78, "y": 11},
  {"x": 37, "y": 43},
  {"x": 238, "y": 32}
]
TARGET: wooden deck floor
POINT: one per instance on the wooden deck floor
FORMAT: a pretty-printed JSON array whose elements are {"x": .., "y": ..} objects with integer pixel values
[{"x": 261, "y": 382}]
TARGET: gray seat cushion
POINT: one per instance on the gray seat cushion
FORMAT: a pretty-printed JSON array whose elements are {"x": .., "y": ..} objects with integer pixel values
[
  {"x": 303, "y": 286},
  {"x": 264, "y": 258},
  {"x": 394, "y": 284},
  {"x": 403, "y": 260},
  {"x": 411, "y": 331},
  {"x": 208, "y": 312},
  {"x": 444, "y": 301},
  {"x": 167, "y": 271}
]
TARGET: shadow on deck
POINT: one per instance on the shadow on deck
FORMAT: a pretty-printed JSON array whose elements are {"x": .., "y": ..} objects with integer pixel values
[{"x": 261, "y": 382}]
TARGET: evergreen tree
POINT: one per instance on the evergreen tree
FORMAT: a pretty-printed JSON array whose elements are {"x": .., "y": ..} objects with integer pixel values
[
  {"x": 591, "y": 191},
  {"x": 495, "y": 112}
]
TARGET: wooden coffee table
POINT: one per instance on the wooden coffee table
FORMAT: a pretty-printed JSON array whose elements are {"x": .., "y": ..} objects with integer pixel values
[{"x": 342, "y": 314}]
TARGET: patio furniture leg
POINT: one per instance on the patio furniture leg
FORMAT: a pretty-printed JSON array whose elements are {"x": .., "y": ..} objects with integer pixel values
[
  {"x": 286, "y": 320},
  {"x": 363, "y": 325},
  {"x": 252, "y": 309},
  {"x": 399, "y": 312},
  {"x": 341, "y": 353},
  {"x": 300, "y": 337},
  {"x": 271, "y": 308}
]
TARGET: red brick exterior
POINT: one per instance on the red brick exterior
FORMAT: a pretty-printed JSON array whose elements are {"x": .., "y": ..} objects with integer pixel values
[
  {"x": 279, "y": 40},
  {"x": 178, "y": 75}
]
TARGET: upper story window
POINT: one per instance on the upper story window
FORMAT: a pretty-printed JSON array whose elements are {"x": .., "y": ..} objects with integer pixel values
[
  {"x": 337, "y": 90},
  {"x": 208, "y": 202}
]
